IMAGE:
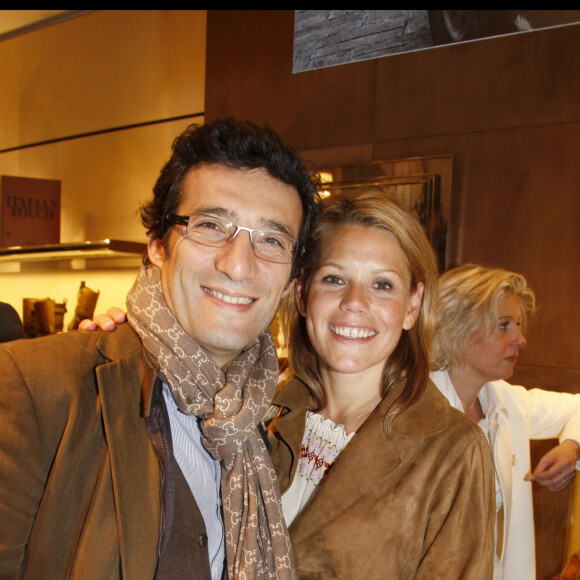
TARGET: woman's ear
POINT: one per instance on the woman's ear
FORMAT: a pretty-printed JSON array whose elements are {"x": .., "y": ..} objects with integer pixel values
[
  {"x": 300, "y": 300},
  {"x": 414, "y": 307},
  {"x": 288, "y": 288}
]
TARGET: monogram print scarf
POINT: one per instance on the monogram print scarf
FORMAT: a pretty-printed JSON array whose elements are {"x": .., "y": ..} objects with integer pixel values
[{"x": 230, "y": 403}]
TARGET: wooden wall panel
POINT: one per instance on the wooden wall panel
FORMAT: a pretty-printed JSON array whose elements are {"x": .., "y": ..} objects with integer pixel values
[
  {"x": 310, "y": 109},
  {"x": 498, "y": 83}
]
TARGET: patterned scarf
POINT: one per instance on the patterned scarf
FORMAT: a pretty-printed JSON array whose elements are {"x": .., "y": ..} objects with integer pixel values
[{"x": 230, "y": 403}]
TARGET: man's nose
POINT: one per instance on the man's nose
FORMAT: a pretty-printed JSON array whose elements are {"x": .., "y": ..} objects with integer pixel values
[{"x": 237, "y": 260}]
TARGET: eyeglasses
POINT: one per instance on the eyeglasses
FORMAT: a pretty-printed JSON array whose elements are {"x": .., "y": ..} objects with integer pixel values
[{"x": 215, "y": 232}]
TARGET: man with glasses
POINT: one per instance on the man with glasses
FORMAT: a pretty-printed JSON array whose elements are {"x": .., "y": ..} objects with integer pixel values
[{"x": 137, "y": 453}]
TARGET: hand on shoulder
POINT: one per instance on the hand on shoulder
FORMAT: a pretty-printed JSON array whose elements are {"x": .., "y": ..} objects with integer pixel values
[{"x": 109, "y": 321}]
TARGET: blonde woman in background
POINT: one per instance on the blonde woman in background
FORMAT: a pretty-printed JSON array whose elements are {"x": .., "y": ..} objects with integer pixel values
[{"x": 481, "y": 318}]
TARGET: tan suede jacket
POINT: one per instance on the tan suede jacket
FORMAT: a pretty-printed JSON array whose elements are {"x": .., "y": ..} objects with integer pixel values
[{"x": 416, "y": 504}]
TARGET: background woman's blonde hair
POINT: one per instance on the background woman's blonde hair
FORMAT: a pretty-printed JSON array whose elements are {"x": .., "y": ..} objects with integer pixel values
[
  {"x": 410, "y": 359},
  {"x": 468, "y": 297}
]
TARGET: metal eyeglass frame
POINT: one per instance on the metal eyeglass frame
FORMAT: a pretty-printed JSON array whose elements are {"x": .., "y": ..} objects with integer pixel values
[{"x": 183, "y": 220}]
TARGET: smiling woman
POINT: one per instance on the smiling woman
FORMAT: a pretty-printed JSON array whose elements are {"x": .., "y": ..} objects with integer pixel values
[
  {"x": 380, "y": 477},
  {"x": 359, "y": 302}
]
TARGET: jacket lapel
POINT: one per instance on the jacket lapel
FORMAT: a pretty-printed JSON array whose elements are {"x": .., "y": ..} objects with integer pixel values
[
  {"x": 367, "y": 460},
  {"x": 134, "y": 466},
  {"x": 289, "y": 426}
]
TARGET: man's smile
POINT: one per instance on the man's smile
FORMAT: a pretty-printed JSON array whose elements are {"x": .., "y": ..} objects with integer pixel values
[{"x": 244, "y": 300}]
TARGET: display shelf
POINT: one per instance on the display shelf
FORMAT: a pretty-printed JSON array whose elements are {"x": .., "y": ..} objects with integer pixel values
[{"x": 73, "y": 255}]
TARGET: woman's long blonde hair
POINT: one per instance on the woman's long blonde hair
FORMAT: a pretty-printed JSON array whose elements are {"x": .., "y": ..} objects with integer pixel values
[{"x": 410, "y": 360}]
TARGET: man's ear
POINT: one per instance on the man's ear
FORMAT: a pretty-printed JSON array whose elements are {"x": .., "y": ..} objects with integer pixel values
[
  {"x": 414, "y": 307},
  {"x": 155, "y": 251}
]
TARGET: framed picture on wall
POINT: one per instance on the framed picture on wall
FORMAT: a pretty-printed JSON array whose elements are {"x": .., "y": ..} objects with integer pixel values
[{"x": 421, "y": 185}]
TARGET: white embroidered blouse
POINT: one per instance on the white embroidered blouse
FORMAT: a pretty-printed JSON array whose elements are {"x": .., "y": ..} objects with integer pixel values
[{"x": 322, "y": 443}]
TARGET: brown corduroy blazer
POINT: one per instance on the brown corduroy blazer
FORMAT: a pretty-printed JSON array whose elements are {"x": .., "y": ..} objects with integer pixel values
[
  {"x": 79, "y": 480},
  {"x": 418, "y": 503}
]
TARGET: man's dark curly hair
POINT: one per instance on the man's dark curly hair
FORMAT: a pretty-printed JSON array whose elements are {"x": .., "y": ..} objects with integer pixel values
[{"x": 236, "y": 145}]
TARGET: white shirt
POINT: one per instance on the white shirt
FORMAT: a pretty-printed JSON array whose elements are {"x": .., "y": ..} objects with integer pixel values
[
  {"x": 322, "y": 443},
  {"x": 203, "y": 475}
]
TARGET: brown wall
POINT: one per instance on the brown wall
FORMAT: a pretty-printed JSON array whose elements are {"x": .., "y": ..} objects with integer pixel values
[{"x": 506, "y": 108}]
